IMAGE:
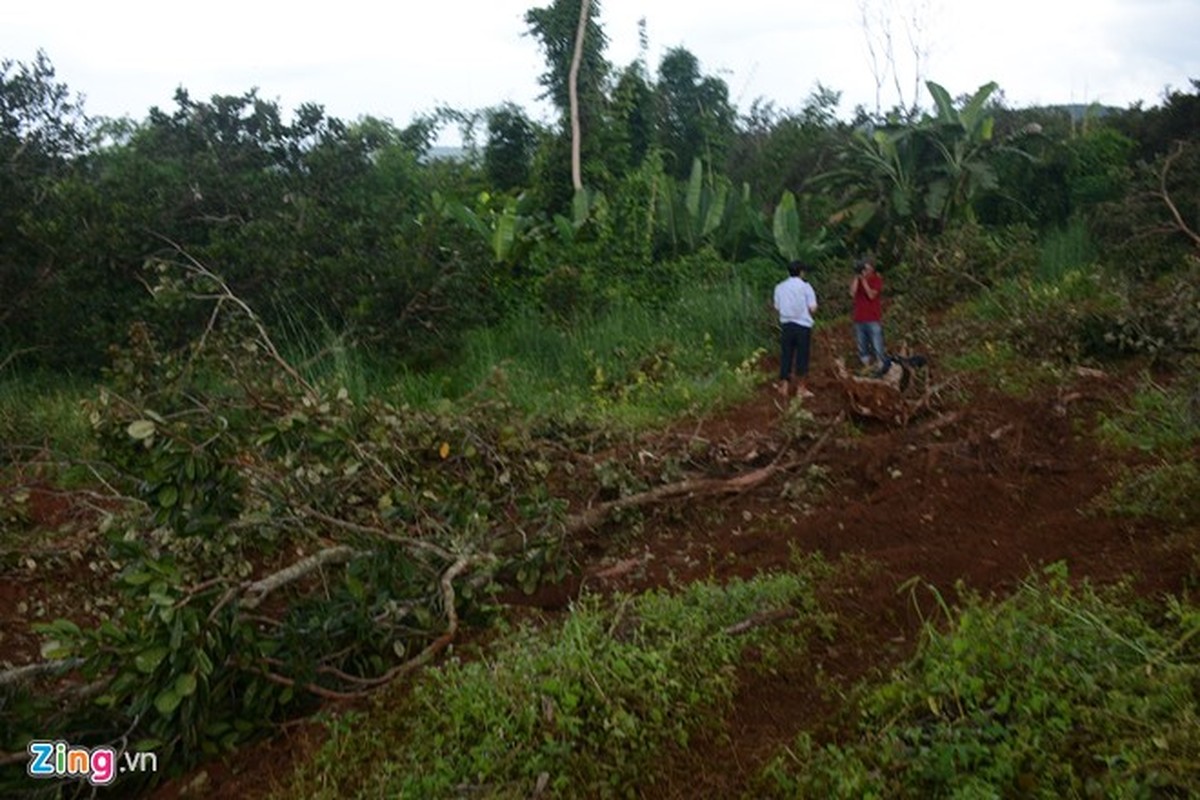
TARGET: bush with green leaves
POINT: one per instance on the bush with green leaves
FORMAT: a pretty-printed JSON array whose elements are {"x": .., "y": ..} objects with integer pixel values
[
  {"x": 1156, "y": 317},
  {"x": 1162, "y": 421},
  {"x": 1046, "y": 320},
  {"x": 1159, "y": 418},
  {"x": 1059, "y": 691},
  {"x": 1145, "y": 233},
  {"x": 581, "y": 709},
  {"x": 966, "y": 257}
]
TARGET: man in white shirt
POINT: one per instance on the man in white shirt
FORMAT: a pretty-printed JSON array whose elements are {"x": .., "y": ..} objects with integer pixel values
[{"x": 796, "y": 303}]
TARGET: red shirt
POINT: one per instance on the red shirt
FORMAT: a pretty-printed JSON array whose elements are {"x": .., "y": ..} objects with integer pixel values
[{"x": 866, "y": 309}]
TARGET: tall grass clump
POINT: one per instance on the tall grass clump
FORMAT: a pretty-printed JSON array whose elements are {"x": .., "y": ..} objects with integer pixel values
[
  {"x": 1064, "y": 250},
  {"x": 580, "y": 709},
  {"x": 40, "y": 412},
  {"x": 1059, "y": 691},
  {"x": 1167, "y": 492},
  {"x": 326, "y": 358},
  {"x": 633, "y": 364}
]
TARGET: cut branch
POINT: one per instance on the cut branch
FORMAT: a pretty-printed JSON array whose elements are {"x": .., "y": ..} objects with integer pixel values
[
  {"x": 16, "y": 675},
  {"x": 256, "y": 592},
  {"x": 592, "y": 517},
  {"x": 424, "y": 657},
  {"x": 226, "y": 294}
]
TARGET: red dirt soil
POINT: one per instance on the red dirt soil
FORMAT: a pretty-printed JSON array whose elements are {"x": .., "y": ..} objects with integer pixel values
[{"x": 982, "y": 494}]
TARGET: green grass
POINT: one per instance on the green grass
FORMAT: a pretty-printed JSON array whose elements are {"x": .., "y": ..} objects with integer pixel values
[
  {"x": 1001, "y": 367},
  {"x": 582, "y": 708},
  {"x": 44, "y": 413},
  {"x": 1021, "y": 300},
  {"x": 1159, "y": 419},
  {"x": 633, "y": 367},
  {"x": 1167, "y": 492},
  {"x": 1058, "y": 691},
  {"x": 1065, "y": 250},
  {"x": 1163, "y": 421}
]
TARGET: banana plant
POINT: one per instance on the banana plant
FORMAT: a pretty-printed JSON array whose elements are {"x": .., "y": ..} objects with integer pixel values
[
  {"x": 789, "y": 238},
  {"x": 924, "y": 174},
  {"x": 506, "y": 229},
  {"x": 586, "y": 205},
  {"x": 694, "y": 214},
  {"x": 878, "y": 175},
  {"x": 963, "y": 139}
]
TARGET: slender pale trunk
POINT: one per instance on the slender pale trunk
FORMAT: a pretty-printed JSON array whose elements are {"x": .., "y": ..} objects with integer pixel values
[{"x": 573, "y": 90}]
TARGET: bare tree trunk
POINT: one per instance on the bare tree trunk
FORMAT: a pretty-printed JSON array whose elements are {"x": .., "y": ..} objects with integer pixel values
[
  {"x": 573, "y": 90},
  {"x": 878, "y": 19}
]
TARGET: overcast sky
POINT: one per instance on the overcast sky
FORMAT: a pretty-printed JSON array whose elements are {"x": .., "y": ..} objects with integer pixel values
[{"x": 396, "y": 60}]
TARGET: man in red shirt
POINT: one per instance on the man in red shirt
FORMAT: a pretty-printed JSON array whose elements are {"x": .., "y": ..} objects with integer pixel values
[{"x": 867, "y": 291}]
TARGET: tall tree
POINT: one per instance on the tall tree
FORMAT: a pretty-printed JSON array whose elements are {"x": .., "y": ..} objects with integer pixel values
[
  {"x": 556, "y": 28},
  {"x": 43, "y": 131},
  {"x": 633, "y": 109},
  {"x": 696, "y": 119},
  {"x": 634, "y": 117},
  {"x": 780, "y": 150},
  {"x": 511, "y": 138},
  {"x": 879, "y": 20}
]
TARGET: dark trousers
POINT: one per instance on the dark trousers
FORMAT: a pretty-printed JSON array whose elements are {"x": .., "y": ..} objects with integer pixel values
[{"x": 795, "y": 343}]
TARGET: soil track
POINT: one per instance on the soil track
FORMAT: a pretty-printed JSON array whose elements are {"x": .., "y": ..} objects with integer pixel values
[{"x": 981, "y": 493}]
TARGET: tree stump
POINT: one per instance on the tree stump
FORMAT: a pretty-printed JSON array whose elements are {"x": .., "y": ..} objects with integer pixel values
[{"x": 878, "y": 398}]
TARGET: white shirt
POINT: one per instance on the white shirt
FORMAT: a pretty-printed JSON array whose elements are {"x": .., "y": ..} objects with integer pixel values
[{"x": 796, "y": 301}]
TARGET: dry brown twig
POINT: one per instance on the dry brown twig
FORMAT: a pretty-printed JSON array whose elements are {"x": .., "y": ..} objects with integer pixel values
[{"x": 1163, "y": 194}]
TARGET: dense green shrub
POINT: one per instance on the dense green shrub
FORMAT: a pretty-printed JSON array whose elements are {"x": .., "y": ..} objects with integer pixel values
[{"x": 1139, "y": 233}]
